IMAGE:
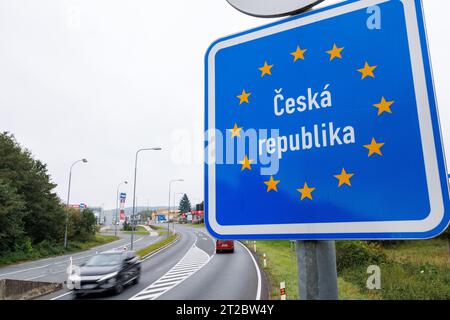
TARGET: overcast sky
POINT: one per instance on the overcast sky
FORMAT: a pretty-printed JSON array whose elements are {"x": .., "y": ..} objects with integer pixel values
[{"x": 101, "y": 78}]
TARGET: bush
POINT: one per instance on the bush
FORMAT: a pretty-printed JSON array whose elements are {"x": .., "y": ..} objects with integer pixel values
[
  {"x": 127, "y": 226},
  {"x": 350, "y": 254}
]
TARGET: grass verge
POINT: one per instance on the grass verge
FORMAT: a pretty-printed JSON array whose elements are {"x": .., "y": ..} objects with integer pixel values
[
  {"x": 140, "y": 231},
  {"x": 413, "y": 270},
  {"x": 156, "y": 228},
  {"x": 155, "y": 246},
  {"x": 47, "y": 249}
]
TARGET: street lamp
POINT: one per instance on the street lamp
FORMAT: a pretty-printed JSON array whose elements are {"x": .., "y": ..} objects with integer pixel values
[
  {"x": 134, "y": 188},
  {"x": 117, "y": 207},
  {"x": 68, "y": 198},
  {"x": 168, "y": 208}
]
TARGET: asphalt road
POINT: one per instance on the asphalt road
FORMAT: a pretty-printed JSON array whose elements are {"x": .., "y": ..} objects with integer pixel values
[
  {"x": 55, "y": 269},
  {"x": 190, "y": 269}
]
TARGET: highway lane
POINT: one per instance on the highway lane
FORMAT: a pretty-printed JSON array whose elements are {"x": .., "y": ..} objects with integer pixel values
[
  {"x": 227, "y": 276},
  {"x": 54, "y": 269},
  {"x": 151, "y": 270},
  {"x": 190, "y": 269}
]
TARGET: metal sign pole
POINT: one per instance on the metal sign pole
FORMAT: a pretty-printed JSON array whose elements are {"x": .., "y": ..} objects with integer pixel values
[{"x": 317, "y": 274}]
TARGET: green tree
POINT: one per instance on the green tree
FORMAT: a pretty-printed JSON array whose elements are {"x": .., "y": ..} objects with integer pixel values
[
  {"x": 11, "y": 219},
  {"x": 185, "y": 204},
  {"x": 81, "y": 226},
  {"x": 42, "y": 215}
]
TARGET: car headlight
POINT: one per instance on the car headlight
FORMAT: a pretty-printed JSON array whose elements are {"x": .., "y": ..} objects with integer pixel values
[
  {"x": 108, "y": 277},
  {"x": 111, "y": 280}
]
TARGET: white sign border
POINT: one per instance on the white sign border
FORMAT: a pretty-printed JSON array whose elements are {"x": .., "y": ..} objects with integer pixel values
[{"x": 436, "y": 214}]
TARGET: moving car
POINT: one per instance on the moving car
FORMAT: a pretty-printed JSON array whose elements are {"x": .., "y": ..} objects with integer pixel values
[
  {"x": 224, "y": 246},
  {"x": 107, "y": 271}
]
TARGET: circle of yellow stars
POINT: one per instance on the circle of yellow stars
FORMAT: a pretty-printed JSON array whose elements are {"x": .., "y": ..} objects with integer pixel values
[{"x": 344, "y": 177}]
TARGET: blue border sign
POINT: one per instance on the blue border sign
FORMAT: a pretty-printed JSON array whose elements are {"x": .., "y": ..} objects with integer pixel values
[{"x": 325, "y": 126}]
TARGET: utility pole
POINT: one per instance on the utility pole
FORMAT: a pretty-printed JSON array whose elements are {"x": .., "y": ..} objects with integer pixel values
[
  {"x": 317, "y": 275},
  {"x": 134, "y": 190}
]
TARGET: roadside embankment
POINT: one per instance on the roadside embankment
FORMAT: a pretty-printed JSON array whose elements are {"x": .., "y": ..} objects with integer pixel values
[{"x": 25, "y": 290}]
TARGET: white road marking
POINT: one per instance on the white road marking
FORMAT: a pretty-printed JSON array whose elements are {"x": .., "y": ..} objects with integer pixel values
[
  {"x": 61, "y": 262},
  {"x": 258, "y": 272},
  {"x": 40, "y": 276},
  {"x": 193, "y": 260},
  {"x": 19, "y": 271}
]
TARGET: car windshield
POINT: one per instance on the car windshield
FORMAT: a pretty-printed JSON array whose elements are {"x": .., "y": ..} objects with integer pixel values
[{"x": 105, "y": 259}]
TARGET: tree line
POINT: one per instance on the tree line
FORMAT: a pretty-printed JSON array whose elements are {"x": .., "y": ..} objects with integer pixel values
[{"x": 30, "y": 211}]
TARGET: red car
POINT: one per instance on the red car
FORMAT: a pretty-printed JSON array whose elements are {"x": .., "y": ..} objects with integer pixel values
[{"x": 224, "y": 245}]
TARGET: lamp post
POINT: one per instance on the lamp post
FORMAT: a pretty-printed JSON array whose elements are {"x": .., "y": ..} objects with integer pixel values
[
  {"x": 168, "y": 208},
  {"x": 134, "y": 189},
  {"x": 117, "y": 207},
  {"x": 68, "y": 198}
]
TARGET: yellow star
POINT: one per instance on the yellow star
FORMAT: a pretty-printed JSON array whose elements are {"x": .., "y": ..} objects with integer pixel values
[
  {"x": 344, "y": 178},
  {"x": 236, "y": 131},
  {"x": 243, "y": 97},
  {"x": 367, "y": 71},
  {"x": 299, "y": 54},
  {"x": 374, "y": 147},
  {"x": 246, "y": 163},
  {"x": 265, "y": 69},
  {"x": 306, "y": 192},
  {"x": 384, "y": 106},
  {"x": 335, "y": 52},
  {"x": 272, "y": 184}
]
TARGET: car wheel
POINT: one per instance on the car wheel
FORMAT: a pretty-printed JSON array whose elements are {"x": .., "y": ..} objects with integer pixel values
[
  {"x": 136, "y": 280},
  {"x": 78, "y": 295},
  {"x": 118, "y": 289}
]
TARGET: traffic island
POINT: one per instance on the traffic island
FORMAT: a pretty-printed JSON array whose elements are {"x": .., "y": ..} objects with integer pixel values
[
  {"x": 158, "y": 246},
  {"x": 26, "y": 290}
]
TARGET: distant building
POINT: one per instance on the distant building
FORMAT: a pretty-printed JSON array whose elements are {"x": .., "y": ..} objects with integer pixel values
[{"x": 163, "y": 215}]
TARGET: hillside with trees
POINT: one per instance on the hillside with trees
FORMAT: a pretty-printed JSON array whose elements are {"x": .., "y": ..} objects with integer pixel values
[{"x": 32, "y": 217}]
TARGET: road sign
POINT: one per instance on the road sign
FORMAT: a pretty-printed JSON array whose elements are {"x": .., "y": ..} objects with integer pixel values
[
  {"x": 325, "y": 126},
  {"x": 272, "y": 8}
]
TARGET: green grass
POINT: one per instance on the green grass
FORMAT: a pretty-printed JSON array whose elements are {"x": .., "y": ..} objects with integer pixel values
[
  {"x": 140, "y": 231},
  {"x": 433, "y": 252},
  {"x": 156, "y": 228},
  {"x": 47, "y": 249},
  {"x": 413, "y": 270},
  {"x": 155, "y": 246},
  {"x": 282, "y": 266}
]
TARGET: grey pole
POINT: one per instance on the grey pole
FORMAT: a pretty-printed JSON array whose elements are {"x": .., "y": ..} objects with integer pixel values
[
  {"x": 317, "y": 275},
  {"x": 134, "y": 190},
  {"x": 117, "y": 207},
  {"x": 68, "y": 199},
  {"x": 168, "y": 208}
]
